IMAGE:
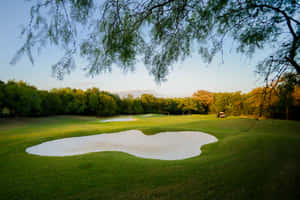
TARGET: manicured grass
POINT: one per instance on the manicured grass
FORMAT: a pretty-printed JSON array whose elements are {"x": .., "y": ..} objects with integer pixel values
[{"x": 252, "y": 160}]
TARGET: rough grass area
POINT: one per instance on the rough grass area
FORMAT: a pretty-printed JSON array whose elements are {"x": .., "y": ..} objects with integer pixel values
[{"x": 252, "y": 160}]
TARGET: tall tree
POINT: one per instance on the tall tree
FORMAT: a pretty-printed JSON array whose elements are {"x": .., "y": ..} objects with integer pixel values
[
  {"x": 137, "y": 106},
  {"x": 93, "y": 100},
  {"x": 163, "y": 32},
  {"x": 148, "y": 102},
  {"x": 287, "y": 87},
  {"x": 2, "y": 96},
  {"x": 127, "y": 105},
  {"x": 205, "y": 98},
  {"x": 189, "y": 105},
  {"x": 107, "y": 105},
  {"x": 22, "y": 99}
]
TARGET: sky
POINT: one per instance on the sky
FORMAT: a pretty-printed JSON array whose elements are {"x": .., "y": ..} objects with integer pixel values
[{"x": 235, "y": 74}]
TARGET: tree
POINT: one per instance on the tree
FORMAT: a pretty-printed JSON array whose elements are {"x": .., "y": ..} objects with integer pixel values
[
  {"x": 107, "y": 105},
  {"x": 287, "y": 87},
  {"x": 137, "y": 106},
  {"x": 93, "y": 100},
  {"x": 80, "y": 101},
  {"x": 230, "y": 103},
  {"x": 263, "y": 102},
  {"x": 118, "y": 101},
  {"x": 50, "y": 103},
  {"x": 163, "y": 32},
  {"x": 172, "y": 106},
  {"x": 2, "y": 97},
  {"x": 237, "y": 103},
  {"x": 127, "y": 105},
  {"x": 149, "y": 103},
  {"x": 296, "y": 96},
  {"x": 189, "y": 105},
  {"x": 205, "y": 98},
  {"x": 22, "y": 99},
  {"x": 220, "y": 102}
]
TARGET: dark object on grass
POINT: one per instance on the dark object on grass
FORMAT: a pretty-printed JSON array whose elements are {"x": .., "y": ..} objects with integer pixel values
[{"x": 221, "y": 115}]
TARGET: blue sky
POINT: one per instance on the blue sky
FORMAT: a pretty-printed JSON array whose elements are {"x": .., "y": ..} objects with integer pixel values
[{"x": 236, "y": 73}]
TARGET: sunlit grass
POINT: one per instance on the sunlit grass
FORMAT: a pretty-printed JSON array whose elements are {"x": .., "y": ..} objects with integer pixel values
[{"x": 253, "y": 159}]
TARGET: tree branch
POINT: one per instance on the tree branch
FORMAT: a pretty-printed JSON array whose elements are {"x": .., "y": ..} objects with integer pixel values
[{"x": 288, "y": 18}]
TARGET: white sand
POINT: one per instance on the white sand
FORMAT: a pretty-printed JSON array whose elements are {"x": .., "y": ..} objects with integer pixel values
[
  {"x": 148, "y": 115},
  {"x": 163, "y": 146},
  {"x": 120, "y": 119}
]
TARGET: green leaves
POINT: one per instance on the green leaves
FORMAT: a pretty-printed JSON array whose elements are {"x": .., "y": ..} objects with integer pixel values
[{"x": 161, "y": 32}]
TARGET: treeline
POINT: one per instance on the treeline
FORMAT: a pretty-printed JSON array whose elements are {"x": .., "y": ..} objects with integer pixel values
[
  {"x": 279, "y": 100},
  {"x": 21, "y": 99}
]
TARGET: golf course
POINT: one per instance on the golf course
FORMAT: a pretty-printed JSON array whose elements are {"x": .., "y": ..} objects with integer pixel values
[
  {"x": 150, "y": 100},
  {"x": 252, "y": 159}
]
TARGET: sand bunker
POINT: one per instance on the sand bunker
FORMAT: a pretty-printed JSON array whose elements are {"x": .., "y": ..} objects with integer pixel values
[
  {"x": 163, "y": 146},
  {"x": 120, "y": 119},
  {"x": 147, "y": 115}
]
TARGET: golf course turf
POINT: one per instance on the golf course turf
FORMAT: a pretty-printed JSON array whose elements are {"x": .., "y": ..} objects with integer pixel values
[{"x": 253, "y": 159}]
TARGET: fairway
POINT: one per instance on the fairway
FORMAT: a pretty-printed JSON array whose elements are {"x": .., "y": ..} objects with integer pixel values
[{"x": 253, "y": 159}]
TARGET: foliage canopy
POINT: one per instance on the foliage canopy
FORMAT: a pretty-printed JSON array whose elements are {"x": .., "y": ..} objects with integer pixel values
[
  {"x": 21, "y": 99},
  {"x": 161, "y": 32}
]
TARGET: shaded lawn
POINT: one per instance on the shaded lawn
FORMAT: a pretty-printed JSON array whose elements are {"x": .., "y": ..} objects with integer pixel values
[{"x": 252, "y": 160}]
